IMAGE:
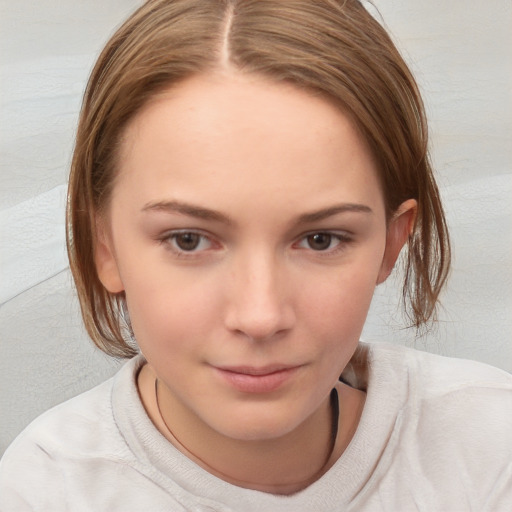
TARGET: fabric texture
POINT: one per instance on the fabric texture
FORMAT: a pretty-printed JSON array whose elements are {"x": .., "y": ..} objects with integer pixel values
[{"x": 435, "y": 435}]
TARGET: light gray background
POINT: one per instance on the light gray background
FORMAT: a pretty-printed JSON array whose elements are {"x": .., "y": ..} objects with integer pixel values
[{"x": 461, "y": 52}]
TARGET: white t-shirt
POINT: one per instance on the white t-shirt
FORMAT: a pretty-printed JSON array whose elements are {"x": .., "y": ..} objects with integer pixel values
[{"x": 435, "y": 435}]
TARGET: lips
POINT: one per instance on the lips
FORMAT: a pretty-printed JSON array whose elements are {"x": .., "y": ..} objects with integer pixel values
[{"x": 256, "y": 380}]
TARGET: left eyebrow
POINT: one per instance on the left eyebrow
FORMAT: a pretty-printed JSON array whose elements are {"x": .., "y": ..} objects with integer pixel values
[
  {"x": 325, "y": 213},
  {"x": 187, "y": 209}
]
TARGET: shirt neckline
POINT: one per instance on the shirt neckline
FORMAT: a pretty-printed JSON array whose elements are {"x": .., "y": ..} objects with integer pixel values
[{"x": 372, "y": 368}]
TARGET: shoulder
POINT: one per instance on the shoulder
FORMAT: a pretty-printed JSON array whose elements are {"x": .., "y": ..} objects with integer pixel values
[
  {"x": 79, "y": 429},
  {"x": 414, "y": 379},
  {"x": 455, "y": 418},
  {"x": 436, "y": 374},
  {"x": 454, "y": 390},
  {"x": 67, "y": 425}
]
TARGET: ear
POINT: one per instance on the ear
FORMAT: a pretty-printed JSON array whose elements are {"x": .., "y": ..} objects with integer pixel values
[
  {"x": 105, "y": 258},
  {"x": 400, "y": 227}
]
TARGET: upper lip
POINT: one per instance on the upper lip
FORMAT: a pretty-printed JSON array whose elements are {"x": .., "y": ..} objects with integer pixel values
[{"x": 252, "y": 370}]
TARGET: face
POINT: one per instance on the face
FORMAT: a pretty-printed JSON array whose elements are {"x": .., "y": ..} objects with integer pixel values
[{"x": 247, "y": 229}]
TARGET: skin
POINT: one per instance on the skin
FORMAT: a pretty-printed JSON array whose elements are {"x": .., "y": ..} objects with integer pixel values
[{"x": 247, "y": 228}]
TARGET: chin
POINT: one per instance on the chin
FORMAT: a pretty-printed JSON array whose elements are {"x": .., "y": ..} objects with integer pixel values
[{"x": 257, "y": 427}]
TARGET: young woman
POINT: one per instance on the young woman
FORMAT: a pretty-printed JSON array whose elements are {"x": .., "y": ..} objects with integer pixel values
[{"x": 245, "y": 174}]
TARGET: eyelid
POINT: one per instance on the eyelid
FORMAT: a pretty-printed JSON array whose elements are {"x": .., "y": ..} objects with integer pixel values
[
  {"x": 344, "y": 238},
  {"x": 168, "y": 236}
]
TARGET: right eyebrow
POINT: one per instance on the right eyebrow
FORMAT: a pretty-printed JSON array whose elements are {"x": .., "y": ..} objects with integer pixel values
[
  {"x": 325, "y": 213},
  {"x": 188, "y": 209}
]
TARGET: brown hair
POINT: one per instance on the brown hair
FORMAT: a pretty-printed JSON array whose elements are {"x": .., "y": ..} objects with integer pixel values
[{"x": 332, "y": 47}]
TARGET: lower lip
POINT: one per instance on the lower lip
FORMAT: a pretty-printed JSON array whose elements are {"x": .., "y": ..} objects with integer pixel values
[{"x": 257, "y": 383}]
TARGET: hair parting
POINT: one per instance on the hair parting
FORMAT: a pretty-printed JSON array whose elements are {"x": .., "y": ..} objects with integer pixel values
[{"x": 334, "y": 48}]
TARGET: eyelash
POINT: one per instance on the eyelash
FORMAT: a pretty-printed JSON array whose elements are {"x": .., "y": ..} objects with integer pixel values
[
  {"x": 169, "y": 239},
  {"x": 342, "y": 240}
]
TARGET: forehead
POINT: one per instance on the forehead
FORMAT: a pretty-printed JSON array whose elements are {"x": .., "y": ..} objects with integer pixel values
[{"x": 227, "y": 135}]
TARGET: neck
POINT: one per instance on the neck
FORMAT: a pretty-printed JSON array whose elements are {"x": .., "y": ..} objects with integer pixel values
[{"x": 281, "y": 465}]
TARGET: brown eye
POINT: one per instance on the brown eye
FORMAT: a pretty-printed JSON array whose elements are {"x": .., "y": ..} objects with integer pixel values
[
  {"x": 187, "y": 241},
  {"x": 184, "y": 243},
  {"x": 319, "y": 241}
]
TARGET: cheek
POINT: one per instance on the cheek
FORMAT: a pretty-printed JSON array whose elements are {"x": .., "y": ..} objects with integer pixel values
[
  {"x": 168, "y": 307},
  {"x": 338, "y": 309}
]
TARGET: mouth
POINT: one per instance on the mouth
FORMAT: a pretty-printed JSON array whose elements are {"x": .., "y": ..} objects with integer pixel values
[{"x": 256, "y": 380}]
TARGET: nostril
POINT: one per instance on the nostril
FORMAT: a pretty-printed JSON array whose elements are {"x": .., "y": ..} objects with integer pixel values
[{"x": 256, "y": 324}]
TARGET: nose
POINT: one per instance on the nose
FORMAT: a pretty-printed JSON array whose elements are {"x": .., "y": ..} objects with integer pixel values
[{"x": 260, "y": 304}]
